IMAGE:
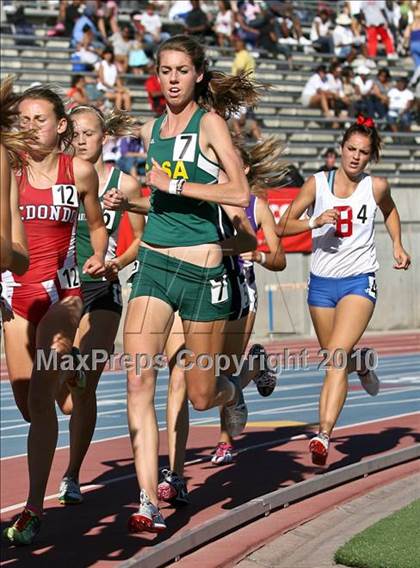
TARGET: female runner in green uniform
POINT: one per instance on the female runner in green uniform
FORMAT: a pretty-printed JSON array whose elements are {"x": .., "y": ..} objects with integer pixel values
[
  {"x": 102, "y": 301},
  {"x": 181, "y": 265}
]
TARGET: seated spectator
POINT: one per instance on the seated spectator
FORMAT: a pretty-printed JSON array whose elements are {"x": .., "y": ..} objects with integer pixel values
[
  {"x": 290, "y": 26},
  {"x": 152, "y": 26},
  {"x": 374, "y": 16},
  {"x": 133, "y": 154},
  {"x": 157, "y": 101},
  {"x": 335, "y": 86},
  {"x": 400, "y": 106},
  {"x": 110, "y": 83},
  {"x": 197, "y": 23},
  {"x": 121, "y": 41},
  {"x": 138, "y": 60},
  {"x": 344, "y": 38},
  {"x": 244, "y": 122},
  {"x": 350, "y": 96},
  {"x": 363, "y": 85},
  {"x": 321, "y": 36},
  {"x": 77, "y": 92},
  {"x": 247, "y": 23},
  {"x": 330, "y": 157},
  {"x": 179, "y": 10},
  {"x": 316, "y": 92},
  {"x": 224, "y": 23},
  {"x": 378, "y": 101},
  {"x": 68, "y": 13},
  {"x": 243, "y": 60},
  {"x": 86, "y": 53},
  {"x": 87, "y": 19}
]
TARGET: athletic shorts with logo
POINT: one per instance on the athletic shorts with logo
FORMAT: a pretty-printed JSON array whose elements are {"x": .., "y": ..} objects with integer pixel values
[{"x": 197, "y": 293}]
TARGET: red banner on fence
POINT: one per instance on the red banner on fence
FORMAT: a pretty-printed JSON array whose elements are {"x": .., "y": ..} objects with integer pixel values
[{"x": 279, "y": 200}]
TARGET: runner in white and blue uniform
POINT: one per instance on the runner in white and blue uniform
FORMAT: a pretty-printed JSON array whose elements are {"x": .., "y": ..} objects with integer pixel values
[{"x": 342, "y": 286}]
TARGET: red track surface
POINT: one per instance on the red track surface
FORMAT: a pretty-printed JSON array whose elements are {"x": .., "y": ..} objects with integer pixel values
[{"x": 94, "y": 534}]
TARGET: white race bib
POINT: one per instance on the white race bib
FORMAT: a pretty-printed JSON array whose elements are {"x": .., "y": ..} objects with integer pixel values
[
  {"x": 65, "y": 194},
  {"x": 69, "y": 277}
]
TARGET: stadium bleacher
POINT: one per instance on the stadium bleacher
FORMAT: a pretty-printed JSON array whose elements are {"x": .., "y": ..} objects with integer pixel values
[{"x": 47, "y": 59}]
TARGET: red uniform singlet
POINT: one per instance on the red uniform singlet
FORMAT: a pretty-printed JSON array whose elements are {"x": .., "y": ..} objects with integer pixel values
[{"x": 50, "y": 220}]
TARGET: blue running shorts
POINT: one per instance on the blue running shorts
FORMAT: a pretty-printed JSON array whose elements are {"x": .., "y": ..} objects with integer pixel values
[{"x": 327, "y": 292}]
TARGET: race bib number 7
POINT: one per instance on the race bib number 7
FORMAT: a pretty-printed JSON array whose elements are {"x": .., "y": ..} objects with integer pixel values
[
  {"x": 219, "y": 290},
  {"x": 65, "y": 194},
  {"x": 69, "y": 277}
]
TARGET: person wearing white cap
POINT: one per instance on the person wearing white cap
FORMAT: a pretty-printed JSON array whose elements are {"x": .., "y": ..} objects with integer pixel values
[
  {"x": 363, "y": 85},
  {"x": 344, "y": 38}
]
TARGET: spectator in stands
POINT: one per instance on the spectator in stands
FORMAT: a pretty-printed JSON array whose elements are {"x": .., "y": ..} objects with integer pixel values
[
  {"x": 344, "y": 38},
  {"x": 154, "y": 92},
  {"x": 330, "y": 157},
  {"x": 290, "y": 26},
  {"x": 321, "y": 35},
  {"x": 363, "y": 85},
  {"x": 152, "y": 25},
  {"x": 110, "y": 83},
  {"x": 316, "y": 92},
  {"x": 224, "y": 23},
  {"x": 401, "y": 104},
  {"x": 350, "y": 95},
  {"x": 77, "y": 92},
  {"x": 86, "y": 53},
  {"x": 393, "y": 15},
  {"x": 338, "y": 101},
  {"x": 138, "y": 60},
  {"x": 412, "y": 43},
  {"x": 121, "y": 41},
  {"x": 247, "y": 22},
  {"x": 244, "y": 122},
  {"x": 378, "y": 100},
  {"x": 375, "y": 19},
  {"x": 68, "y": 13},
  {"x": 133, "y": 154},
  {"x": 179, "y": 10},
  {"x": 243, "y": 60},
  {"x": 196, "y": 21},
  {"x": 86, "y": 19}
]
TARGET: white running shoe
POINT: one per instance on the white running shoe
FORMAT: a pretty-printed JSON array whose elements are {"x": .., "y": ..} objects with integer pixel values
[
  {"x": 69, "y": 492},
  {"x": 148, "y": 518},
  {"x": 369, "y": 379},
  {"x": 236, "y": 415},
  {"x": 266, "y": 379},
  {"x": 318, "y": 447},
  {"x": 222, "y": 454}
]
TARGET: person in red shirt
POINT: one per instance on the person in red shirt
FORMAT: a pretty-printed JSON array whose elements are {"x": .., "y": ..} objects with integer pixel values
[{"x": 154, "y": 92}]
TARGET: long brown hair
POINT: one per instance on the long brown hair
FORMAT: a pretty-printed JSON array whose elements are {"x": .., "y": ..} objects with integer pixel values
[
  {"x": 225, "y": 94},
  {"x": 48, "y": 93},
  {"x": 115, "y": 122},
  {"x": 267, "y": 167},
  {"x": 16, "y": 143}
]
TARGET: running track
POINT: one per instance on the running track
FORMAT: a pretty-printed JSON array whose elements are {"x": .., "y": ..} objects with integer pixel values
[{"x": 98, "y": 527}]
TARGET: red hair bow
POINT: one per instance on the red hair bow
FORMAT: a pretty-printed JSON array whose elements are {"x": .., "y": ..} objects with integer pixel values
[{"x": 365, "y": 121}]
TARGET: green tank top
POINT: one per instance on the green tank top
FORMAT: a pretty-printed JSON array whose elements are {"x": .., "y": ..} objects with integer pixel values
[
  {"x": 112, "y": 222},
  {"x": 174, "y": 220}
]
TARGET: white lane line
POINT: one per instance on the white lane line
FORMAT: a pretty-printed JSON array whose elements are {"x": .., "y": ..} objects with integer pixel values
[{"x": 91, "y": 487}]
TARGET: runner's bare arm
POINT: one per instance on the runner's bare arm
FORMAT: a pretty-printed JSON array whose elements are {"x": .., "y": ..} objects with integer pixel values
[
  {"x": 19, "y": 263},
  {"x": 5, "y": 216},
  {"x": 386, "y": 204},
  {"x": 245, "y": 239},
  {"x": 87, "y": 186},
  {"x": 275, "y": 259},
  {"x": 215, "y": 138}
]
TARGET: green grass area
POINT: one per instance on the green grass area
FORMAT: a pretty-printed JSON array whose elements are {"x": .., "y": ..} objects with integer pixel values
[{"x": 393, "y": 542}]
